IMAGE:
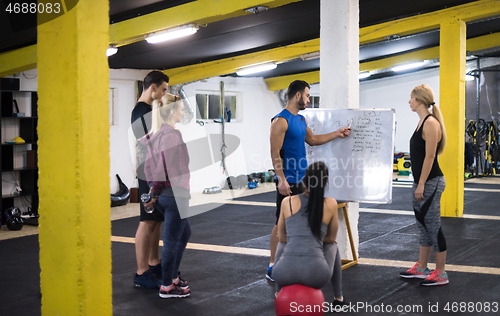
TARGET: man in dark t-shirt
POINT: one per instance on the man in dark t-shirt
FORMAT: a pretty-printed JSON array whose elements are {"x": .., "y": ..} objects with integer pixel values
[{"x": 147, "y": 237}]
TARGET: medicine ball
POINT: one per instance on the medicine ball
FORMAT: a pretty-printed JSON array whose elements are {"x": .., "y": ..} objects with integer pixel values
[
  {"x": 254, "y": 177},
  {"x": 263, "y": 177},
  {"x": 242, "y": 181},
  {"x": 271, "y": 175}
]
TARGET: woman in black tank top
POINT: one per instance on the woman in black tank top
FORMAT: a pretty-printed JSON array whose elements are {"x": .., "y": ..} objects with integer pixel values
[{"x": 428, "y": 140}]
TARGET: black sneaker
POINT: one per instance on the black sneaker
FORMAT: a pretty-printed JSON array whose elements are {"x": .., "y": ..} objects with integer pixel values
[
  {"x": 338, "y": 306},
  {"x": 146, "y": 280},
  {"x": 157, "y": 271},
  {"x": 174, "y": 292}
]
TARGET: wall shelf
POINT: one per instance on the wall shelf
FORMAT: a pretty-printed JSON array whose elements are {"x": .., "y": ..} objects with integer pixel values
[
  {"x": 11, "y": 196},
  {"x": 19, "y": 161}
]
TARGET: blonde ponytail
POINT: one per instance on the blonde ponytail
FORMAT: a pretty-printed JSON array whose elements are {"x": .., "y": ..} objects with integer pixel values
[
  {"x": 155, "y": 118},
  {"x": 437, "y": 113}
]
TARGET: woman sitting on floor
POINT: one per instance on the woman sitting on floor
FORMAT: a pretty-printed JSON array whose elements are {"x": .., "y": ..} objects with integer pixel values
[{"x": 307, "y": 229}]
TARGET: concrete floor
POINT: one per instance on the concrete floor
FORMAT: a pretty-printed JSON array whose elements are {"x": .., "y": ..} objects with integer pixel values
[{"x": 228, "y": 254}]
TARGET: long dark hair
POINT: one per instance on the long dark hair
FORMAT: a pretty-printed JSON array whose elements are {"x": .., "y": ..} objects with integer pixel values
[{"x": 315, "y": 182}]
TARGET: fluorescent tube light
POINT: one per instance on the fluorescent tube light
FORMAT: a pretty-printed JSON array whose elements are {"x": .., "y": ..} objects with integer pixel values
[
  {"x": 111, "y": 51},
  {"x": 469, "y": 77},
  {"x": 173, "y": 33},
  {"x": 256, "y": 69},
  {"x": 257, "y": 9},
  {"x": 363, "y": 75},
  {"x": 310, "y": 56},
  {"x": 408, "y": 66}
]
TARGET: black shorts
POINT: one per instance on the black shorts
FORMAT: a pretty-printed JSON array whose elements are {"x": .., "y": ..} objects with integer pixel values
[
  {"x": 296, "y": 188},
  {"x": 156, "y": 215}
]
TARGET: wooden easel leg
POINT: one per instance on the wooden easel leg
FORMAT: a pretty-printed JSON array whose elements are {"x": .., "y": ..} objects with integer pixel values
[{"x": 348, "y": 263}]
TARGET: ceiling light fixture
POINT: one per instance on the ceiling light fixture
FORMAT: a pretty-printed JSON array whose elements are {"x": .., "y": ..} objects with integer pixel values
[
  {"x": 257, "y": 9},
  {"x": 309, "y": 56},
  {"x": 173, "y": 33},
  {"x": 111, "y": 51},
  {"x": 255, "y": 69},
  {"x": 408, "y": 66},
  {"x": 363, "y": 75},
  {"x": 469, "y": 77}
]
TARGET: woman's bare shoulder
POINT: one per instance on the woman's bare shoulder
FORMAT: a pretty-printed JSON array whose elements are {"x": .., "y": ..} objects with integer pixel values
[
  {"x": 331, "y": 203},
  {"x": 431, "y": 122}
]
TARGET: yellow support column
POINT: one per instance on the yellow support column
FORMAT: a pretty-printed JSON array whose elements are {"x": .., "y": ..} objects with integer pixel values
[
  {"x": 452, "y": 105},
  {"x": 73, "y": 131}
]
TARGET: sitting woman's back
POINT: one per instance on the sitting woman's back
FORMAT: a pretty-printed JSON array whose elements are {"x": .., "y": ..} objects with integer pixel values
[
  {"x": 307, "y": 229},
  {"x": 299, "y": 237}
]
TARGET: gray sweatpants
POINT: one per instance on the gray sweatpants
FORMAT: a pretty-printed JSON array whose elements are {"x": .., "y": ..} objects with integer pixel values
[
  {"x": 309, "y": 271},
  {"x": 428, "y": 214}
]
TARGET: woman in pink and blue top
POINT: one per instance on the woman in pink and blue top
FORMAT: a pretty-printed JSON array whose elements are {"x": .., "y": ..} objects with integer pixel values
[{"x": 167, "y": 172}]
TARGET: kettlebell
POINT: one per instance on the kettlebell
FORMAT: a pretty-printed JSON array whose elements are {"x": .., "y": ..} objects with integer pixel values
[
  {"x": 15, "y": 223},
  {"x": 13, "y": 218}
]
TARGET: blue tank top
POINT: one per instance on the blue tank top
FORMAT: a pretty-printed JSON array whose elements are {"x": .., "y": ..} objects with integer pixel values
[{"x": 293, "y": 151}]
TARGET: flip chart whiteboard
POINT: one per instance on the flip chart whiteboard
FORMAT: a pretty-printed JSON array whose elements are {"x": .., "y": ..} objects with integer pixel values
[{"x": 361, "y": 165}]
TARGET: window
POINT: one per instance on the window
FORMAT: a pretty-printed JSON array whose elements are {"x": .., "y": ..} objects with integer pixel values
[
  {"x": 314, "y": 102},
  {"x": 208, "y": 105}
]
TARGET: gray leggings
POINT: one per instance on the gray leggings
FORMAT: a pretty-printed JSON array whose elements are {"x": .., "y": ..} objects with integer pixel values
[
  {"x": 428, "y": 214},
  {"x": 310, "y": 271}
]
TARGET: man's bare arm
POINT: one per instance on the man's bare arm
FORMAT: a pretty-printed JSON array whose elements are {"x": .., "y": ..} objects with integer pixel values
[
  {"x": 278, "y": 129},
  {"x": 316, "y": 140}
]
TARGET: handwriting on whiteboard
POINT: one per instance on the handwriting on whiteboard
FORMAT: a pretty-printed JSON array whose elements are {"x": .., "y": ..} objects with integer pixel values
[
  {"x": 367, "y": 133},
  {"x": 360, "y": 166}
]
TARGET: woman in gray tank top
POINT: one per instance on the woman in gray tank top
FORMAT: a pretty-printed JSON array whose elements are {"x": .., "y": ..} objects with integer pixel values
[{"x": 307, "y": 229}]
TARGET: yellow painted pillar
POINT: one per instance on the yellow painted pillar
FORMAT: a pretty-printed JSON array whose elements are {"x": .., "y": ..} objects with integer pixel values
[
  {"x": 452, "y": 105},
  {"x": 73, "y": 131}
]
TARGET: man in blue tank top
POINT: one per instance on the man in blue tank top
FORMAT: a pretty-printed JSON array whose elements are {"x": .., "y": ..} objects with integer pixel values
[{"x": 289, "y": 133}]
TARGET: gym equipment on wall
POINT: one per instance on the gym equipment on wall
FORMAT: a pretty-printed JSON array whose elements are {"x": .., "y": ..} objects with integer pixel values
[
  {"x": 482, "y": 134},
  {"x": 483, "y": 137},
  {"x": 492, "y": 148},
  {"x": 122, "y": 196}
]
